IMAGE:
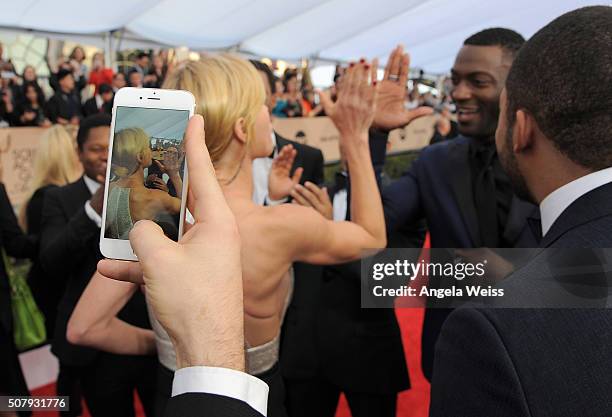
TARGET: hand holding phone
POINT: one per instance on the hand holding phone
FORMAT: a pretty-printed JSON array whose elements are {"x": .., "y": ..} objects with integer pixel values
[{"x": 145, "y": 121}]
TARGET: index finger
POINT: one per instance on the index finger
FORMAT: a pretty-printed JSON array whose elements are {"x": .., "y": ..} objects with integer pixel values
[
  {"x": 208, "y": 201},
  {"x": 121, "y": 270}
]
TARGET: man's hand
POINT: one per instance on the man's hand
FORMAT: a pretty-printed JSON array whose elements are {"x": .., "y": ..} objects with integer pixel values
[
  {"x": 390, "y": 111},
  {"x": 195, "y": 285},
  {"x": 153, "y": 181},
  {"x": 310, "y": 195},
  {"x": 97, "y": 199},
  {"x": 353, "y": 112},
  {"x": 279, "y": 181}
]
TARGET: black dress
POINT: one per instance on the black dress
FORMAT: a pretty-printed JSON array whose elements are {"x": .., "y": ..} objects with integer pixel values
[{"x": 16, "y": 244}]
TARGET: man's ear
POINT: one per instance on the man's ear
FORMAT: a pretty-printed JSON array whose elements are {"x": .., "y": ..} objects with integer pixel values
[
  {"x": 240, "y": 131},
  {"x": 523, "y": 131}
]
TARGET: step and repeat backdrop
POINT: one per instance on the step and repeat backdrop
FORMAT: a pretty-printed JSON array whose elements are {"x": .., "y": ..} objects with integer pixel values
[{"x": 18, "y": 146}]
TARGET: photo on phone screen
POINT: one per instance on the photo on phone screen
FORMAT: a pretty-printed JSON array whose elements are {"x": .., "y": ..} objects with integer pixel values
[{"x": 147, "y": 168}]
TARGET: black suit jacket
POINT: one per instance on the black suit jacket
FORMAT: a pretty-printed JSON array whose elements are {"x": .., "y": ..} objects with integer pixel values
[
  {"x": 15, "y": 243},
  {"x": 528, "y": 362},
  {"x": 90, "y": 107},
  {"x": 297, "y": 353},
  {"x": 438, "y": 188},
  {"x": 69, "y": 251},
  {"x": 309, "y": 158},
  {"x": 207, "y": 405}
]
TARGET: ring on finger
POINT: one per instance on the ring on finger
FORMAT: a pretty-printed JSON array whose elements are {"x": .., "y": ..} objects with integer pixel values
[{"x": 394, "y": 77}]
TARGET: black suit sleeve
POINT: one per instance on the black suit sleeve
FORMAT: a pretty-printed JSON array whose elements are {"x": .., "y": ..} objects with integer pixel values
[
  {"x": 53, "y": 109},
  {"x": 317, "y": 167},
  {"x": 207, "y": 405},
  {"x": 473, "y": 372},
  {"x": 63, "y": 239},
  {"x": 12, "y": 238}
]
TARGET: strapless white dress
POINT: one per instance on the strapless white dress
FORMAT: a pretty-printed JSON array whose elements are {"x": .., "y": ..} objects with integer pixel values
[{"x": 259, "y": 359}]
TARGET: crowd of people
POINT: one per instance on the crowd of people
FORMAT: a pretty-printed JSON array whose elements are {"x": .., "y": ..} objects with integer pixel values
[
  {"x": 24, "y": 102},
  {"x": 257, "y": 309}
]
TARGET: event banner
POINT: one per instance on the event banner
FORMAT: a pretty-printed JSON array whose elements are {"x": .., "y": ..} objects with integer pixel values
[
  {"x": 321, "y": 133},
  {"x": 18, "y": 148}
]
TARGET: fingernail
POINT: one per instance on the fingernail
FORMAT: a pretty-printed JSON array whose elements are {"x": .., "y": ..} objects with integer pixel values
[
  {"x": 374, "y": 82},
  {"x": 362, "y": 60},
  {"x": 367, "y": 67},
  {"x": 351, "y": 65}
]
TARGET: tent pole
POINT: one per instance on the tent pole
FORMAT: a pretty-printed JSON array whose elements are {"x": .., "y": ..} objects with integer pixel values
[{"x": 108, "y": 53}]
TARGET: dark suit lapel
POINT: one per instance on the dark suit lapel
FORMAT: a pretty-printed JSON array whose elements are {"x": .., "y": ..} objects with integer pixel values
[
  {"x": 461, "y": 183},
  {"x": 82, "y": 192}
]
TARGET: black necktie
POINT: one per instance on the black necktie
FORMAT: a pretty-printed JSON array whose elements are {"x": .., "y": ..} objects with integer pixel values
[
  {"x": 485, "y": 198},
  {"x": 535, "y": 225}
]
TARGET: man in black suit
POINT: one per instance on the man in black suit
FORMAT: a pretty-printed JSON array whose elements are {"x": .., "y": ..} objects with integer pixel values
[
  {"x": 209, "y": 344},
  {"x": 459, "y": 186},
  {"x": 101, "y": 102},
  {"x": 65, "y": 105},
  {"x": 554, "y": 141},
  {"x": 357, "y": 351},
  {"x": 69, "y": 249}
]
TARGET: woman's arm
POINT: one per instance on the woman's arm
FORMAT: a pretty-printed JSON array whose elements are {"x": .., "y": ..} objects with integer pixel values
[
  {"x": 324, "y": 241},
  {"x": 94, "y": 323}
]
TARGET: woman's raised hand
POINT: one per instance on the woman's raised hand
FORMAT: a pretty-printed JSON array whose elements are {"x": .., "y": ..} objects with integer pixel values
[{"x": 354, "y": 110}]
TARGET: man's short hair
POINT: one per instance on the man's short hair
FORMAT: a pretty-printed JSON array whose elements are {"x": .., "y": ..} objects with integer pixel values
[
  {"x": 562, "y": 76},
  {"x": 507, "y": 39},
  {"x": 263, "y": 67},
  {"x": 96, "y": 120},
  {"x": 105, "y": 88},
  {"x": 141, "y": 55},
  {"x": 63, "y": 73}
]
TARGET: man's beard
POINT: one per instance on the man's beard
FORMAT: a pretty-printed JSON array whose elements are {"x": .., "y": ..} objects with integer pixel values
[{"x": 510, "y": 165}]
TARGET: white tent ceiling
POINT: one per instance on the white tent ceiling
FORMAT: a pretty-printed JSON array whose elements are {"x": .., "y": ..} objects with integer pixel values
[{"x": 334, "y": 30}]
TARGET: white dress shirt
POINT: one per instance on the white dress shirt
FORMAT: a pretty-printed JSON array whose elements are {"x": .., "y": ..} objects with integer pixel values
[
  {"x": 222, "y": 381},
  {"x": 340, "y": 203},
  {"x": 261, "y": 173},
  {"x": 93, "y": 186},
  {"x": 556, "y": 202}
]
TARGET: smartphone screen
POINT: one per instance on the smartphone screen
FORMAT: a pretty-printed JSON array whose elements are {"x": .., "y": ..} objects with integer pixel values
[{"x": 147, "y": 167}]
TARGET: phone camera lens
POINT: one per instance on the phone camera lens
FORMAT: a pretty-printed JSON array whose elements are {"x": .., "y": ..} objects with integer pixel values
[{"x": 141, "y": 98}]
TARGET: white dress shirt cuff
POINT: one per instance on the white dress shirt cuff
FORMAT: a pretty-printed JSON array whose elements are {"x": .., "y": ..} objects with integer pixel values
[
  {"x": 91, "y": 213},
  {"x": 222, "y": 381}
]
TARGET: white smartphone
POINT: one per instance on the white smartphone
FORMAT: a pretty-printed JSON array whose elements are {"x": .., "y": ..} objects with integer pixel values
[{"x": 146, "y": 175}]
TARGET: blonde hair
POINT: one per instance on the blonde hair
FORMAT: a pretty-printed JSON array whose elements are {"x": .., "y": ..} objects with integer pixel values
[
  {"x": 226, "y": 88},
  {"x": 128, "y": 145},
  {"x": 56, "y": 163}
]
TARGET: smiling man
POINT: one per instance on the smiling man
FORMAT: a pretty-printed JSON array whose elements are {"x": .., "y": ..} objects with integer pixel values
[{"x": 459, "y": 186}]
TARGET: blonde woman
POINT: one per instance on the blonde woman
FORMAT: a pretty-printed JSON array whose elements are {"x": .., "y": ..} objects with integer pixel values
[
  {"x": 56, "y": 164},
  {"x": 230, "y": 96},
  {"x": 128, "y": 198}
]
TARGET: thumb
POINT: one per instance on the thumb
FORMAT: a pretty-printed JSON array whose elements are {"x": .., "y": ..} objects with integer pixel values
[
  {"x": 418, "y": 112},
  {"x": 147, "y": 238},
  {"x": 326, "y": 102},
  {"x": 297, "y": 175}
]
